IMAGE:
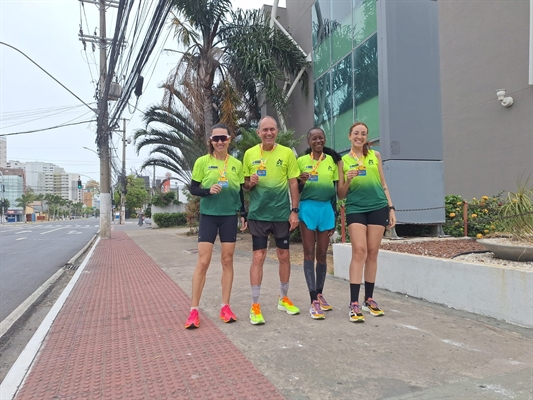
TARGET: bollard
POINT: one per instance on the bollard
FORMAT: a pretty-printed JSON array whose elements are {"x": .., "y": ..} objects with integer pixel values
[{"x": 465, "y": 218}]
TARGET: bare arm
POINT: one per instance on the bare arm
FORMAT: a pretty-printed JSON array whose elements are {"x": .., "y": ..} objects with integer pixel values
[
  {"x": 295, "y": 201},
  {"x": 392, "y": 212}
]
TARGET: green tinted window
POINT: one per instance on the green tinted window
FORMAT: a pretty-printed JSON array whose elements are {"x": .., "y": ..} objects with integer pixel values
[
  {"x": 365, "y": 20},
  {"x": 342, "y": 30},
  {"x": 366, "y": 71},
  {"x": 368, "y": 112}
]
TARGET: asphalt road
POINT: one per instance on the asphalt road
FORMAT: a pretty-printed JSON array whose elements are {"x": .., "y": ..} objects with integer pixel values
[{"x": 31, "y": 253}]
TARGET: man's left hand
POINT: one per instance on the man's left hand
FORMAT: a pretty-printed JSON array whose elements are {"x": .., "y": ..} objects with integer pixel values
[{"x": 293, "y": 221}]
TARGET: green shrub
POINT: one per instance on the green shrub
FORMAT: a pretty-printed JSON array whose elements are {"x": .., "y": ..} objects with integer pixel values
[
  {"x": 482, "y": 216},
  {"x": 516, "y": 215},
  {"x": 167, "y": 220}
]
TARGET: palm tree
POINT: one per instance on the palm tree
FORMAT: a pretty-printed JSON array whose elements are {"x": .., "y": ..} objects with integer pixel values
[
  {"x": 171, "y": 135},
  {"x": 23, "y": 202},
  {"x": 239, "y": 51}
]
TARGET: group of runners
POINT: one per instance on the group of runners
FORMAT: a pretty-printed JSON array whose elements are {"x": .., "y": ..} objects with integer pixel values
[{"x": 285, "y": 193}]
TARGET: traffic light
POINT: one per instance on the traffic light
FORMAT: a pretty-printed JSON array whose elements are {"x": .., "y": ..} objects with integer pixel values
[{"x": 80, "y": 186}]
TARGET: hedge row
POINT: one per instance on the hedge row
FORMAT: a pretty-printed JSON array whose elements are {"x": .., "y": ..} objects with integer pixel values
[{"x": 167, "y": 220}]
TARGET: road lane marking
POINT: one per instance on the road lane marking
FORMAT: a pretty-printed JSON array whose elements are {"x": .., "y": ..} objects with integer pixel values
[
  {"x": 21, "y": 238},
  {"x": 16, "y": 233},
  {"x": 53, "y": 230},
  {"x": 73, "y": 233}
]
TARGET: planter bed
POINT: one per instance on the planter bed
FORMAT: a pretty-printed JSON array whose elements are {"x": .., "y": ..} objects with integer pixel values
[{"x": 501, "y": 292}]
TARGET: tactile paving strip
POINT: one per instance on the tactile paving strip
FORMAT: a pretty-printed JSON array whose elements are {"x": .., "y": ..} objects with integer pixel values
[{"x": 120, "y": 335}]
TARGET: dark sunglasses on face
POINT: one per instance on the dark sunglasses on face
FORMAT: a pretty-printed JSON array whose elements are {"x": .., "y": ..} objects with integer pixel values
[{"x": 221, "y": 138}]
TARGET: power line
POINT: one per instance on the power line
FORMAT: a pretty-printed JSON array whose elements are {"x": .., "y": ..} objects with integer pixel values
[
  {"x": 47, "y": 73},
  {"x": 46, "y": 129},
  {"x": 45, "y": 116}
]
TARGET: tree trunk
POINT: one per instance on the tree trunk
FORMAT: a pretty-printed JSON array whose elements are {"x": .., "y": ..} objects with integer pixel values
[{"x": 208, "y": 112}]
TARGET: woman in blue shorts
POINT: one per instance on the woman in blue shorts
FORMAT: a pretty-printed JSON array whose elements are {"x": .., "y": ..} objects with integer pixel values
[
  {"x": 369, "y": 211},
  {"x": 217, "y": 178},
  {"x": 318, "y": 177}
]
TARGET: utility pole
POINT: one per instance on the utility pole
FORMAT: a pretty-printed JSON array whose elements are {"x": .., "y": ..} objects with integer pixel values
[
  {"x": 102, "y": 130},
  {"x": 124, "y": 180},
  {"x": 102, "y": 133}
]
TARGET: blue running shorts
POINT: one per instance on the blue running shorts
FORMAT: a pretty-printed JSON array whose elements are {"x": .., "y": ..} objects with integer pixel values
[{"x": 317, "y": 215}]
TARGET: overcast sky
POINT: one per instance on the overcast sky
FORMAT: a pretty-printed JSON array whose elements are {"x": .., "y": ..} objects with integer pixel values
[{"x": 47, "y": 32}]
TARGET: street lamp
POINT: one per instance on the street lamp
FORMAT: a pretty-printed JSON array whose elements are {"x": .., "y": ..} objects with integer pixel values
[{"x": 86, "y": 148}]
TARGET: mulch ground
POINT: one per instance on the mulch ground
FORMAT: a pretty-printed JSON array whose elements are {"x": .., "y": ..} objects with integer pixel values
[{"x": 443, "y": 248}]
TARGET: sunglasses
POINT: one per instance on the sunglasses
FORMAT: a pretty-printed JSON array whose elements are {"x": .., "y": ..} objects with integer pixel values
[{"x": 221, "y": 138}]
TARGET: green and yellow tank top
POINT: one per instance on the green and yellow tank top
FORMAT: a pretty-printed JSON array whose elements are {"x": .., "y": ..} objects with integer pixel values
[{"x": 366, "y": 191}]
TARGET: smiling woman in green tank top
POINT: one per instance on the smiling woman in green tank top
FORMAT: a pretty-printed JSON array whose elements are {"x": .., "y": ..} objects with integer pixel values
[{"x": 369, "y": 211}]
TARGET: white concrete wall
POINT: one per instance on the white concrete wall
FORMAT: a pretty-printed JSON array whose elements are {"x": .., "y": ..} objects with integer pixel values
[{"x": 494, "y": 291}]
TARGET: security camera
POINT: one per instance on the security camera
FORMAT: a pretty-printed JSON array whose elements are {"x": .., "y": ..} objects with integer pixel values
[
  {"x": 505, "y": 101},
  {"x": 501, "y": 94}
]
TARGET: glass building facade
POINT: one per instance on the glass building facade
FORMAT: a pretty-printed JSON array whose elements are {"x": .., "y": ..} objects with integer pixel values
[{"x": 345, "y": 68}]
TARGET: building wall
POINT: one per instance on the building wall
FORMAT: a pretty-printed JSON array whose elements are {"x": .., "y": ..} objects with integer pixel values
[
  {"x": 300, "y": 116},
  {"x": 484, "y": 47},
  {"x": 88, "y": 198},
  {"x": 13, "y": 183},
  {"x": 36, "y": 175},
  {"x": 3, "y": 152}
]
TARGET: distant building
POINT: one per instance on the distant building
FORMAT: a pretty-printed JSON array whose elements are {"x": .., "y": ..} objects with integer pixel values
[
  {"x": 88, "y": 198},
  {"x": 3, "y": 152},
  {"x": 48, "y": 178},
  {"x": 35, "y": 175},
  {"x": 63, "y": 185},
  {"x": 14, "y": 185}
]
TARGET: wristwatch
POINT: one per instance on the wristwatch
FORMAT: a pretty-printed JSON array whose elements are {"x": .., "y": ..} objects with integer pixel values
[
  {"x": 392, "y": 208},
  {"x": 296, "y": 210}
]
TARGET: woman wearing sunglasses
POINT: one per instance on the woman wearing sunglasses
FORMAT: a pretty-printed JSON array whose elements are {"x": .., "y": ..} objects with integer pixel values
[{"x": 217, "y": 178}]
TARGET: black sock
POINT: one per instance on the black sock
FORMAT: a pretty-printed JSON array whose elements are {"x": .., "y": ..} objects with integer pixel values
[
  {"x": 354, "y": 292},
  {"x": 369, "y": 290},
  {"x": 314, "y": 295}
]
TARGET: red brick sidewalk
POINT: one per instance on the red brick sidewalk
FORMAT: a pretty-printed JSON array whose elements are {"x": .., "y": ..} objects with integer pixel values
[{"x": 120, "y": 335}]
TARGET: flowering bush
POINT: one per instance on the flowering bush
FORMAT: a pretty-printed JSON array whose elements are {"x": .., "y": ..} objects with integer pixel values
[{"x": 482, "y": 216}]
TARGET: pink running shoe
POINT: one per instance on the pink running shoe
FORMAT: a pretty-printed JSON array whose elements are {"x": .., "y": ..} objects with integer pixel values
[
  {"x": 193, "y": 321},
  {"x": 227, "y": 315}
]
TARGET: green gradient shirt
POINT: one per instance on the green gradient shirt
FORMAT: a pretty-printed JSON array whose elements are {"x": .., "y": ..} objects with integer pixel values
[
  {"x": 366, "y": 191},
  {"x": 209, "y": 171},
  {"x": 269, "y": 199},
  {"x": 321, "y": 186}
]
